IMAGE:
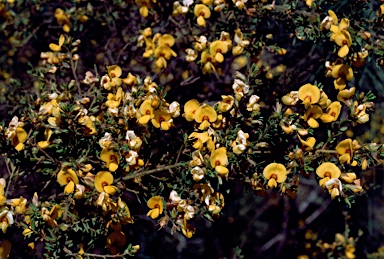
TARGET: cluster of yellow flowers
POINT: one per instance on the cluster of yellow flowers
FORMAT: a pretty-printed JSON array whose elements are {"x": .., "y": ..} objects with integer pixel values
[
  {"x": 212, "y": 52},
  {"x": 159, "y": 46}
]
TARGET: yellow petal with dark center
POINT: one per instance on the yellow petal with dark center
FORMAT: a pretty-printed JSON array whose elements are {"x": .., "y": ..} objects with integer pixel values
[
  {"x": 205, "y": 112},
  {"x": 102, "y": 179},
  {"x": 202, "y": 10},
  {"x": 219, "y": 157},
  {"x": 309, "y": 94},
  {"x": 66, "y": 175},
  {"x": 328, "y": 169},
  {"x": 276, "y": 171}
]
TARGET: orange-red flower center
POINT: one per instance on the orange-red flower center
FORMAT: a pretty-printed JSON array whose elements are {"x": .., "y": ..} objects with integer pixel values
[
  {"x": 68, "y": 179},
  {"x": 147, "y": 112},
  {"x": 112, "y": 158},
  {"x": 217, "y": 162},
  {"x": 274, "y": 176},
  {"x": 327, "y": 174},
  {"x": 205, "y": 118},
  {"x": 308, "y": 97}
]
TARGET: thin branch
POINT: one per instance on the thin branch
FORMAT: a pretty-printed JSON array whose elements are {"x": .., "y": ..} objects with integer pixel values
[
  {"x": 139, "y": 174},
  {"x": 11, "y": 172}
]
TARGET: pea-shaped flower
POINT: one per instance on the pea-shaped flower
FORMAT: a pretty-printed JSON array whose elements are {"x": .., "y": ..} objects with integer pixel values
[
  {"x": 156, "y": 205},
  {"x": 111, "y": 158},
  {"x": 217, "y": 49},
  {"x": 103, "y": 181},
  {"x": 275, "y": 173},
  {"x": 205, "y": 115},
  {"x": 333, "y": 112},
  {"x": 68, "y": 178},
  {"x": 309, "y": 94},
  {"x": 190, "y": 109},
  {"x": 219, "y": 160},
  {"x": 202, "y": 12},
  {"x": 327, "y": 171}
]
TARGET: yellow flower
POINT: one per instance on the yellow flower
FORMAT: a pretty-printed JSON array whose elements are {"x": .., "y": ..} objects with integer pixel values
[
  {"x": 201, "y": 138},
  {"x": 47, "y": 134},
  {"x": 114, "y": 73},
  {"x": 149, "y": 48},
  {"x": 187, "y": 229},
  {"x": 216, "y": 203},
  {"x": 333, "y": 112},
  {"x": 348, "y": 177},
  {"x": 164, "y": 52},
  {"x": 55, "y": 47},
  {"x": 219, "y": 161},
  {"x": 166, "y": 40},
  {"x": 217, "y": 49},
  {"x": 19, "y": 205},
  {"x": 345, "y": 149},
  {"x": 190, "y": 109},
  {"x": 343, "y": 39},
  {"x": 6, "y": 219},
  {"x": 202, "y": 12},
  {"x": 291, "y": 98},
  {"x": 334, "y": 187},
  {"x": 313, "y": 112},
  {"x": 207, "y": 60},
  {"x": 197, "y": 173},
  {"x": 342, "y": 70},
  {"x": 105, "y": 202},
  {"x": 103, "y": 181},
  {"x": 226, "y": 104},
  {"x": 162, "y": 119},
  {"x": 205, "y": 115},
  {"x": 309, "y": 143},
  {"x": 327, "y": 171},
  {"x": 51, "y": 216},
  {"x": 5, "y": 249},
  {"x": 275, "y": 173},
  {"x": 62, "y": 19},
  {"x": 143, "y": 4},
  {"x": 309, "y": 94},
  {"x": 68, "y": 178},
  {"x": 345, "y": 94},
  {"x": 146, "y": 112},
  {"x": 156, "y": 205},
  {"x": 111, "y": 158},
  {"x": 114, "y": 100}
]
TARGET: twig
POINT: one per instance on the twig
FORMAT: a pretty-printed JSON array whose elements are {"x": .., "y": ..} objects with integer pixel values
[
  {"x": 96, "y": 255},
  {"x": 10, "y": 174},
  {"x": 139, "y": 174},
  {"x": 74, "y": 73}
]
